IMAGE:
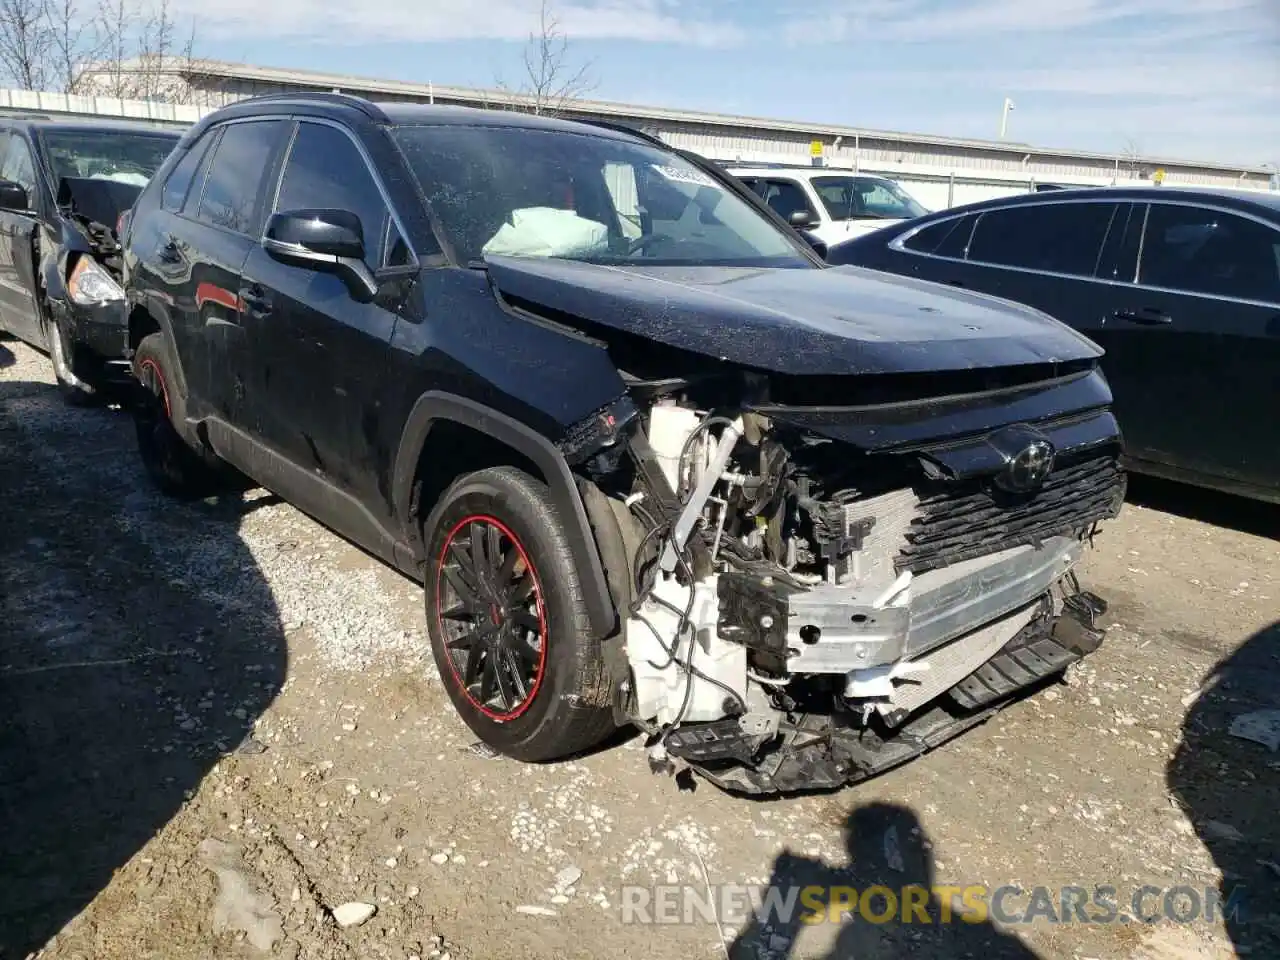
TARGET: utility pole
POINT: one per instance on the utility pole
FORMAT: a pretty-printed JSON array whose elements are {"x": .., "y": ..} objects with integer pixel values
[{"x": 1004, "y": 116}]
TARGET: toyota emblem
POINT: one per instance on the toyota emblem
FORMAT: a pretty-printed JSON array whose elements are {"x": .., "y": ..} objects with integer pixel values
[{"x": 1028, "y": 458}]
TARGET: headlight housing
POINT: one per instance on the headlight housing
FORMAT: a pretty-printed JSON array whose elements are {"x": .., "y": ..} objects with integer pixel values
[{"x": 89, "y": 283}]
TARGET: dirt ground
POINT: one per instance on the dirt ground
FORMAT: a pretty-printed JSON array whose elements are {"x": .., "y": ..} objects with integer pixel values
[{"x": 218, "y": 718}]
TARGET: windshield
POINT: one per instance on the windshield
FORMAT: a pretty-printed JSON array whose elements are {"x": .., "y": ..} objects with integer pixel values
[
  {"x": 106, "y": 154},
  {"x": 516, "y": 191},
  {"x": 866, "y": 198}
]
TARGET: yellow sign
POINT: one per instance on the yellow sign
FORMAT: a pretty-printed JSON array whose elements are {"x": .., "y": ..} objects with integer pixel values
[
  {"x": 815, "y": 148},
  {"x": 1158, "y": 176}
]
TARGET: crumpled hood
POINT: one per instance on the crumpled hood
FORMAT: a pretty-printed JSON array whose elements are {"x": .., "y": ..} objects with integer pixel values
[{"x": 840, "y": 320}]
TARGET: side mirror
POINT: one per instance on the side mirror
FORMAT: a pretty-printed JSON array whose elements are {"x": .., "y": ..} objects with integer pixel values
[
  {"x": 819, "y": 245},
  {"x": 14, "y": 197},
  {"x": 329, "y": 240},
  {"x": 801, "y": 219}
]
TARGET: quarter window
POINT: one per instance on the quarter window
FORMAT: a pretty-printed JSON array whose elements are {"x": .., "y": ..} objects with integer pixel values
[
  {"x": 181, "y": 176},
  {"x": 1057, "y": 237},
  {"x": 234, "y": 184},
  {"x": 1199, "y": 250},
  {"x": 325, "y": 170}
]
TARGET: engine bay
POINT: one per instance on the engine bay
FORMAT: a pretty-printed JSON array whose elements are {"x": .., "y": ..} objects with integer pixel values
[{"x": 802, "y": 613}]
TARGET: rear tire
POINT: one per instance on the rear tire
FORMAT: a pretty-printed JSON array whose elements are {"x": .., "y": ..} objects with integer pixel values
[
  {"x": 508, "y": 625},
  {"x": 174, "y": 465}
]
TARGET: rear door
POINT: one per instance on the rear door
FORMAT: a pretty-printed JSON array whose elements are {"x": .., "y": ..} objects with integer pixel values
[
  {"x": 204, "y": 250},
  {"x": 17, "y": 239},
  {"x": 317, "y": 357},
  {"x": 1194, "y": 343}
]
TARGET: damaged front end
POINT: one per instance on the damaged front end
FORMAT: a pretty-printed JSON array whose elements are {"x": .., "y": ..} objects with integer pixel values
[{"x": 819, "y": 593}]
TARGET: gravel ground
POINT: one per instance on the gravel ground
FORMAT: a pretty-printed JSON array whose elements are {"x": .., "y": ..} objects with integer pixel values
[{"x": 220, "y": 724}]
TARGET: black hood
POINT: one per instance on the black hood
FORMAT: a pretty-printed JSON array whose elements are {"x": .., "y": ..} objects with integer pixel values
[
  {"x": 842, "y": 320},
  {"x": 97, "y": 199}
]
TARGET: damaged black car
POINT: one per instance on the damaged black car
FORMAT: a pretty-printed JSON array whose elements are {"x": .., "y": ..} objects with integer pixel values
[
  {"x": 64, "y": 186},
  {"x": 655, "y": 463}
]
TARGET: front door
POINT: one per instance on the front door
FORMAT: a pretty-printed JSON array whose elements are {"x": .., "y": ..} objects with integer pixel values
[
  {"x": 318, "y": 358},
  {"x": 17, "y": 243}
]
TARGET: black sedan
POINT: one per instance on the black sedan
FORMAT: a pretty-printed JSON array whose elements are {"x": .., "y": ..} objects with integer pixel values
[
  {"x": 1181, "y": 287},
  {"x": 64, "y": 185}
]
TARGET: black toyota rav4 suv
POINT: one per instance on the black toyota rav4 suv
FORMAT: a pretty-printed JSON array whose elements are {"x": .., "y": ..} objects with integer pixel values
[{"x": 655, "y": 462}]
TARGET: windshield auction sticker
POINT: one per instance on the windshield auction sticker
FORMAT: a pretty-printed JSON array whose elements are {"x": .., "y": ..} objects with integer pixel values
[{"x": 678, "y": 175}]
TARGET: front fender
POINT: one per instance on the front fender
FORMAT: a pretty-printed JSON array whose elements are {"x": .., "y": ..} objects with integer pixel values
[{"x": 433, "y": 407}]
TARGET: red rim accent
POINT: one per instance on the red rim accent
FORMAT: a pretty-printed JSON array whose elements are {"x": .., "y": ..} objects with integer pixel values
[
  {"x": 149, "y": 364},
  {"x": 542, "y": 617}
]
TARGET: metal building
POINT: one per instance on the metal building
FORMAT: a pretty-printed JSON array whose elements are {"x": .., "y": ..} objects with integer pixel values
[{"x": 940, "y": 171}]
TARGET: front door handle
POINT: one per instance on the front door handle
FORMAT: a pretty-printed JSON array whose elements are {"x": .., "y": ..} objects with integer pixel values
[
  {"x": 1151, "y": 316},
  {"x": 255, "y": 301}
]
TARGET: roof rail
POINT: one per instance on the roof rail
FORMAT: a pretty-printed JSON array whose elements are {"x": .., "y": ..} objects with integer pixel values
[
  {"x": 624, "y": 128},
  {"x": 367, "y": 107}
]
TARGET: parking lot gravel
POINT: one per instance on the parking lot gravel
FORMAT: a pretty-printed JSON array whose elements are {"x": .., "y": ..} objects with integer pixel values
[{"x": 221, "y": 735}]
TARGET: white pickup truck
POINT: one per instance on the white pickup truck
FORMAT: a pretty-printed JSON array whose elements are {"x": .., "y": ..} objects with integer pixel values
[{"x": 833, "y": 205}]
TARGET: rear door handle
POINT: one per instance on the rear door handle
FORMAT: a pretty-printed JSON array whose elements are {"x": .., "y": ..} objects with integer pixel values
[
  {"x": 1152, "y": 316},
  {"x": 255, "y": 301}
]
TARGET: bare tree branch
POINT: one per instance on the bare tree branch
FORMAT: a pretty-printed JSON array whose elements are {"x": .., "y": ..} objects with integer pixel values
[
  {"x": 1132, "y": 153},
  {"x": 25, "y": 43},
  {"x": 76, "y": 44},
  {"x": 551, "y": 81}
]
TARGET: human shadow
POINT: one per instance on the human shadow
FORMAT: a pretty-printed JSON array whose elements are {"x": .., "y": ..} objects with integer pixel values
[
  {"x": 889, "y": 849},
  {"x": 1230, "y": 789},
  {"x": 139, "y": 644}
]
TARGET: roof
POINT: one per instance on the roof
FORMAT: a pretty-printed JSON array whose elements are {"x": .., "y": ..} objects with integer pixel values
[
  {"x": 375, "y": 89},
  {"x": 804, "y": 173},
  {"x": 89, "y": 125},
  {"x": 408, "y": 114},
  {"x": 1256, "y": 200}
]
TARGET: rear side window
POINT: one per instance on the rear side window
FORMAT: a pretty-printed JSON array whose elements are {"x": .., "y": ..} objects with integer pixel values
[
  {"x": 234, "y": 184},
  {"x": 1200, "y": 250},
  {"x": 1057, "y": 237},
  {"x": 947, "y": 238},
  {"x": 326, "y": 170},
  {"x": 183, "y": 174}
]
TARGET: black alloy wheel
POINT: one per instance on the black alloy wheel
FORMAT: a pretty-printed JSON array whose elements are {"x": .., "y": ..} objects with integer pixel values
[{"x": 492, "y": 616}]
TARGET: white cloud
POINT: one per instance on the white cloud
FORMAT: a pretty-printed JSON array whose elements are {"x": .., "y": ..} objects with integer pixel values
[{"x": 344, "y": 21}]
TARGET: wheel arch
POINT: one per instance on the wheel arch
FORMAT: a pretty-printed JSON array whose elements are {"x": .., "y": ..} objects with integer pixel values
[
  {"x": 144, "y": 320},
  {"x": 431, "y": 437}
]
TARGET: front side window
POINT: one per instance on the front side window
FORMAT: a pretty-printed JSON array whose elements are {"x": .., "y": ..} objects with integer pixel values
[
  {"x": 514, "y": 191},
  {"x": 131, "y": 158},
  {"x": 1199, "y": 250},
  {"x": 1054, "y": 237},
  {"x": 787, "y": 198},
  {"x": 865, "y": 198},
  {"x": 325, "y": 170},
  {"x": 234, "y": 182}
]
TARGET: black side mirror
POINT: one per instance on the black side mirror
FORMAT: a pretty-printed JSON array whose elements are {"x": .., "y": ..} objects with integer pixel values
[
  {"x": 329, "y": 240},
  {"x": 819, "y": 245},
  {"x": 14, "y": 197},
  {"x": 801, "y": 219}
]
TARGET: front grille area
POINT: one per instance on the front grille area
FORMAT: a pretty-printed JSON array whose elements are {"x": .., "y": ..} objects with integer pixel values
[{"x": 972, "y": 522}]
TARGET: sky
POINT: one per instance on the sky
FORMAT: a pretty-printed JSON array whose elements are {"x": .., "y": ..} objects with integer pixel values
[{"x": 1185, "y": 79}]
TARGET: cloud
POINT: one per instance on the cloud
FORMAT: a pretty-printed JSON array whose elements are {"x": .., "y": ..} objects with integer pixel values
[
  {"x": 346, "y": 22},
  {"x": 917, "y": 21}
]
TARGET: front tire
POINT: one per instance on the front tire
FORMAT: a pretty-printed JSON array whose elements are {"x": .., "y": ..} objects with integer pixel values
[
  {"x": 508, "y": 625},
  {"x": 176, "y": 467},
  {"x": 73, "y": 385}
]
